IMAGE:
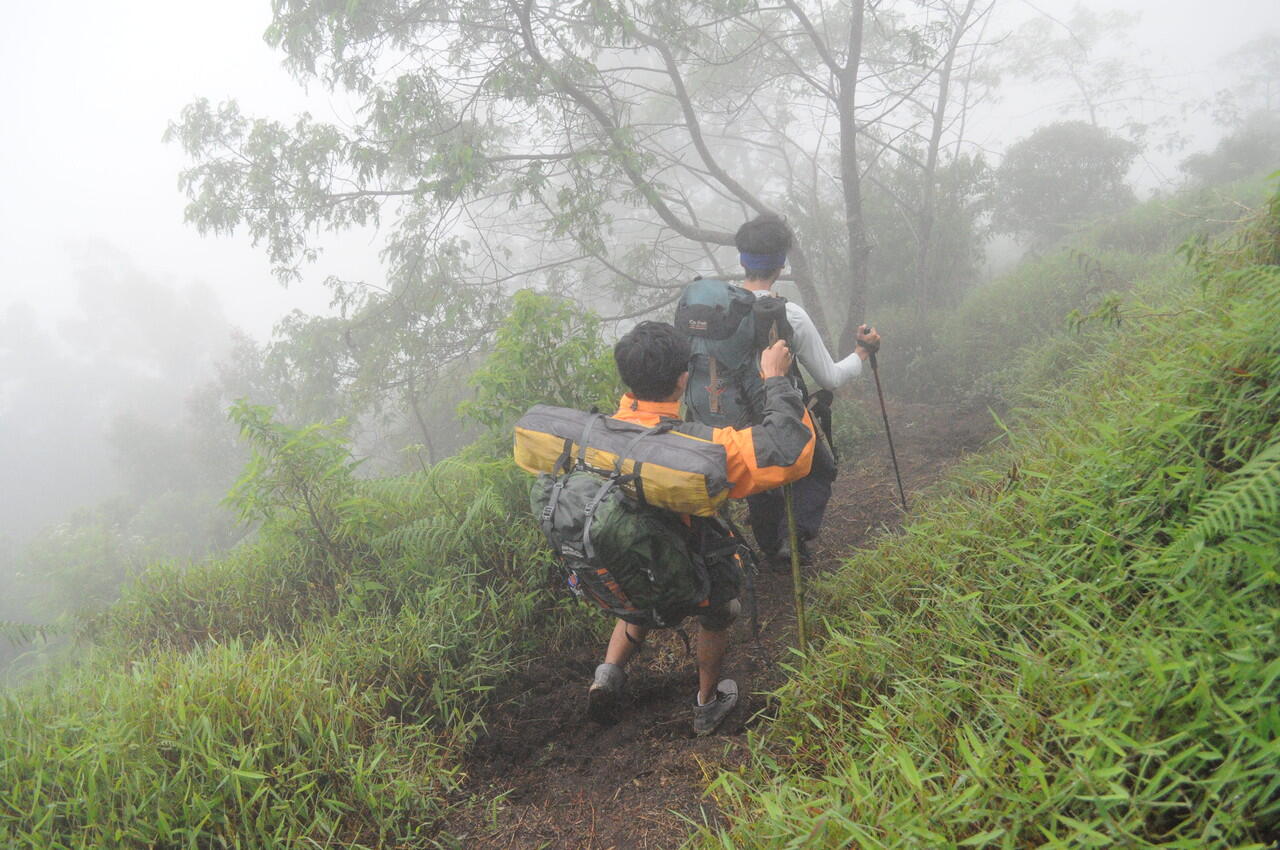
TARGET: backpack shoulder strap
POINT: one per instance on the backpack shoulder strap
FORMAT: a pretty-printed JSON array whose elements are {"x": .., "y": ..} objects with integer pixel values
[{"x": 771, "y": 322}]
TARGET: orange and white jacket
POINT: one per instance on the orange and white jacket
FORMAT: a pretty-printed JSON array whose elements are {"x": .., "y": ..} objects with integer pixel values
[{"x": 775, "y": 452}]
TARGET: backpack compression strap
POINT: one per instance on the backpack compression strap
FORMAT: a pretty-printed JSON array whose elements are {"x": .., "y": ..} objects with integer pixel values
[
  {"x": 548, "y": 515},
  {"x": 589, "y": 515},
  {"x": 546, "y": 520},
  {"x": 661, "y": 428},
  {"x": 616, "y": 479},
  {"x": 582, "y": 443},
  {"x": 564, "y": 463},
  {"x": 713, "y": 390}
]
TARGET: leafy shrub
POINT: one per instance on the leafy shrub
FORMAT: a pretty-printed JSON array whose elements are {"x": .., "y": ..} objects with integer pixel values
[
  {"x": 547, "y": 351},
  {"x": 1060, "y": 175},
  {"x": 1250, "y": 149},
  {"x": 331, "y": 542}
]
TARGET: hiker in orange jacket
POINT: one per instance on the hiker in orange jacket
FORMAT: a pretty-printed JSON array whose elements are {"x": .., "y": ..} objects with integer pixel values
[{"x": 652, "y": 361}]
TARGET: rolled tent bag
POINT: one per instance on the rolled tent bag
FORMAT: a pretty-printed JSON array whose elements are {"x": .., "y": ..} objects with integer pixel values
[{"x": 673, "y": 470}]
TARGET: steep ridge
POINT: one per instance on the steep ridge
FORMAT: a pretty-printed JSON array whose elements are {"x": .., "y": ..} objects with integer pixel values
[{"x": 542, "y": 776}]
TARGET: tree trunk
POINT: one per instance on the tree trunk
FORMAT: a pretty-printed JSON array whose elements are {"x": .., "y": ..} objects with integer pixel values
[
  {"x": 859, "y": 250},
  {"x": 423, "y": 429},
  {"x": 929, "y": 201}
]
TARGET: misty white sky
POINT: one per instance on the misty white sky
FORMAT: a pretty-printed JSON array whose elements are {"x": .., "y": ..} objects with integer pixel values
[
  {"x": 88, "y": 89},
  {"x": 1181, "y": 42}
]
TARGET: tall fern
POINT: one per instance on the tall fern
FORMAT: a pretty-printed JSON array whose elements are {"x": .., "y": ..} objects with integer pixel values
[{"x": 1249, "y": 499}]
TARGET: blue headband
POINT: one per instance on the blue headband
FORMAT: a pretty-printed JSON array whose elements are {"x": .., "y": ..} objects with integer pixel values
[{"x": 762, "y": 262}]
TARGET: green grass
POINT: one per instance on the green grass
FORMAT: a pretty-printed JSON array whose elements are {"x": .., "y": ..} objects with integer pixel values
[
  {"x": 1077, "y": 642},
  {"x": 315, "y": 688},
  {"x": 231, "y": 745}
]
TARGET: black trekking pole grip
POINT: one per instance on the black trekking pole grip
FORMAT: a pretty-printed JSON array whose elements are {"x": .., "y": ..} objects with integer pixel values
[{"x": 871, "y": 347}]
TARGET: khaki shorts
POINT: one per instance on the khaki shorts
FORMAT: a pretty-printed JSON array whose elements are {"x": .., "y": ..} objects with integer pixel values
[{"x": 720, "y": 617}]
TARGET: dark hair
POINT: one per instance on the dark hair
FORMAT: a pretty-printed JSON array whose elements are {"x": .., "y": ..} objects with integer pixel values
[
  {"x": 651, "y": 357},
  {"x": 765, "y": 234}
]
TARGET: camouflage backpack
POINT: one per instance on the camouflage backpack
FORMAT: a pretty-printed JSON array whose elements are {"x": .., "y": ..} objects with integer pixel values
[{"x": 640, "y": 563}]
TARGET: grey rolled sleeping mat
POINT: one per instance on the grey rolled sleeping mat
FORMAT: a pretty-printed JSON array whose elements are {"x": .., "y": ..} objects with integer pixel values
[{"x": 672, "y": 466}]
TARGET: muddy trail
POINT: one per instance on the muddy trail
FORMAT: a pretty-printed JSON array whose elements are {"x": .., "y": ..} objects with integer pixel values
[{"x": 543, "y": 776}]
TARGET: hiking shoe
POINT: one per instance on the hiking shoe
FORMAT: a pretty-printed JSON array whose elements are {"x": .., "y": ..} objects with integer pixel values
[
  {"x": 707, "y": 717},
  {"x": 783, "y": 558},
  {"x": 605, "y": 693}
]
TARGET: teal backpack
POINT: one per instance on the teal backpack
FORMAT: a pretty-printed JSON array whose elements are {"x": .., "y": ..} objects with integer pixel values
[
  {"x": 639, "y": 563},
  {"x": 727, "y": 327}
]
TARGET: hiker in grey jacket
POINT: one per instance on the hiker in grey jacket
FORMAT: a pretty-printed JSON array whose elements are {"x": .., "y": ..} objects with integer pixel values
[{"x": 763, "y": 243}]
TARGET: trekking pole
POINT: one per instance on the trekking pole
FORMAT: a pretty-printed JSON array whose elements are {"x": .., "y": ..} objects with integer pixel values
[
  {"x": 884, "y": 413},
  {"x": 797, "y": 579}
]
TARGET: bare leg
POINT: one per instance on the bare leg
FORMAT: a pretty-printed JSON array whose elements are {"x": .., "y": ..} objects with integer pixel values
[
  {"x": 711, "y": 647},
  {"x": 621, "y": 648}
]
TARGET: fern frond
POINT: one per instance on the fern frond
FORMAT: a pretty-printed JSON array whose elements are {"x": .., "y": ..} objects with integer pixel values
[
  {"x": 401, "y": 490},
  {"x": 419, "y": 537},
  {"x": 1250, "y": 498}
]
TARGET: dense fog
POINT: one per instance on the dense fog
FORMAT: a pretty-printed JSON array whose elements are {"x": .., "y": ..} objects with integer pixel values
[{"x": 334, "y": 226}]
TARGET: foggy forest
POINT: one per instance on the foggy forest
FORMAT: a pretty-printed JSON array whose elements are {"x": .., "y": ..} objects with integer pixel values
[{"x": 285, "y": 277}]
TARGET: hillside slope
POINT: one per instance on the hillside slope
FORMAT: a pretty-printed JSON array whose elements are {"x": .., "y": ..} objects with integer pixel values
[
  {"x": 1074, "y": 643},
  {"x": 1077, "y": 641}
]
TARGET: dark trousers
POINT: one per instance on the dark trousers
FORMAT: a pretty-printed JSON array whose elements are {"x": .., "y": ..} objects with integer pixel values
[{"x": 768, "y": 510}]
